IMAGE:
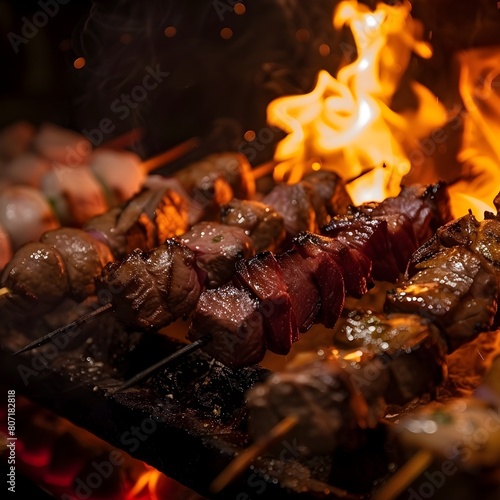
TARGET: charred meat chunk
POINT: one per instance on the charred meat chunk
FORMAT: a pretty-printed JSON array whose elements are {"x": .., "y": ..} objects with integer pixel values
[
  {"x": 355, "y": 266},
  {"x": 427, "y": 207},
  {"x": 259, "y": 221},
  {"x": 330, "y": 188},
  {"x": 456, "y": 289},
  {"x": 216, "y": 180},
  {"x": 293, "y": 202},
  {"x": 234, "y": 322},
  {"x": 150, "y": 290},
  {"x": 217, "y": 249}
]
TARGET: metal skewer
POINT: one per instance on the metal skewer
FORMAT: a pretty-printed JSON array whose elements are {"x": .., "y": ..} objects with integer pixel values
[
  {"x": 65, "y": 329},
  {"x": 197, "y": 344}
]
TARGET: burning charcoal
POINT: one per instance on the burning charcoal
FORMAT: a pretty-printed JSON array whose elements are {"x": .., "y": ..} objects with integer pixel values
[
  {"x": 102, "y": 476},
  {"x": 213, "y": 391}
]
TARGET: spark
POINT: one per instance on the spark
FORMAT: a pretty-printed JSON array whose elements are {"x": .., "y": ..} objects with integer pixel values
[{"x": 480, "y": 354}]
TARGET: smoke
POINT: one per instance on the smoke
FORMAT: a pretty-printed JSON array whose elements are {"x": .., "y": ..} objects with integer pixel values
[{"x": 210, "y": 77}]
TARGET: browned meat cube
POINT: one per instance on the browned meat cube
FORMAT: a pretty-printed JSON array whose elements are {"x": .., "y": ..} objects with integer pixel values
[
  {"x": 217, "y": 249},
  {"x": 233, "y": 320},
  {"x": 262, "y": 223}
]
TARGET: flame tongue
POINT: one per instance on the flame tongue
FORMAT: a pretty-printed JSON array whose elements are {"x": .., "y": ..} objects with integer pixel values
[{"x": 346, "y": 123}]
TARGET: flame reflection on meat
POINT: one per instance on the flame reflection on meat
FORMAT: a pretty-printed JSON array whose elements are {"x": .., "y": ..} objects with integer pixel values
[{"x": 346, "y": 123}]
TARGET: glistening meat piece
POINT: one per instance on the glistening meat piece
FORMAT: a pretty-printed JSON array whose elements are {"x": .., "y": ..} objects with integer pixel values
[
  {"x": 217, "y": 248},
  {"x": 331, "y": 285},
  {"x": 216, "y": 180},
  {"x": 259, "y": 221},
  {"x": 408, "y": 346},
  {"x": 302, "y": 288},
  {"x": 377, "y": 360},
  {"x": 234, "y": 322},
  {"x": 263, "y": 277},
  {"x": 36, "y": 278},
  {"x": 84, "y": 258},
  {"x": 356, "y": 266},
  {"x": 151, "y": 290},
  {"x": 456, "y": 289},
  {"x": 369, "y": 236}
]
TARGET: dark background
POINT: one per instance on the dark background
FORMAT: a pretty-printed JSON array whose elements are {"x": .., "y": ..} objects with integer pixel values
[{"x": 209, "y": 78}]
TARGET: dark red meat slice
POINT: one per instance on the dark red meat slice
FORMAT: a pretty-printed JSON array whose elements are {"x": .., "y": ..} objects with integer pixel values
[
  {"x": 263, "y": 277},
  {"x": 369, "y": 236},
  {"x": 355, "y": 266},
  {"x": 302, "y": 287},
  {"x": 402, "y": 237}
]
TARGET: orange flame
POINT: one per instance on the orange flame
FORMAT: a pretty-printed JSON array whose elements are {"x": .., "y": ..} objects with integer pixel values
[
  {"x": 146, "y": 485},
  {"x": 480, "y": 153},
  {"x": 346, "y": 123}
]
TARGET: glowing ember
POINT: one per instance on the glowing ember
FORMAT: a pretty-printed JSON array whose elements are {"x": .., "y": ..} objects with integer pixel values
[{"x": 346, "y": 123}]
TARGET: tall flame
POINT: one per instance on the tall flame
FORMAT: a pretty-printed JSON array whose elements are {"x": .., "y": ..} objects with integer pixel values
[
  {"x": 480, "y": 152},
  {"x": 346, "y": 123}
]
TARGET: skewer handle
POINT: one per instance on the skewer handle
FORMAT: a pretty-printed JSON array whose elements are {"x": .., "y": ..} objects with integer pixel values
[
  {"x": 402, "y": 478},
  {"x": 245, "y": 459},
  {"x": 170, "y": 155}
]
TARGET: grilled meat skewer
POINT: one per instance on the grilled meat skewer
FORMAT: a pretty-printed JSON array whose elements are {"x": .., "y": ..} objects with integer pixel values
[
  {"x": 153, "y": 216},
  {"x": 256, "y": 310},
  {"x": 409, "y": 341}
]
